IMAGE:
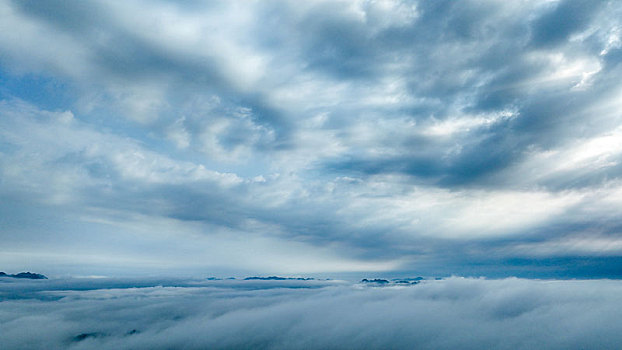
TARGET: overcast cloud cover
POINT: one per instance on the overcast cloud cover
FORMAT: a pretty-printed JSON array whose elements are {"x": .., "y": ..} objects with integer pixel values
[{"x": 311, "y": 137}]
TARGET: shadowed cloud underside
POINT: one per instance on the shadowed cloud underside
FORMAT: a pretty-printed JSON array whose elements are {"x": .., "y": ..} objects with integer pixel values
[{"x": 320, "y": 137}]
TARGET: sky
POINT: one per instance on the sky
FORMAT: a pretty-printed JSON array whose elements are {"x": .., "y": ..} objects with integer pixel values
[{"x": 304, "y": 138}]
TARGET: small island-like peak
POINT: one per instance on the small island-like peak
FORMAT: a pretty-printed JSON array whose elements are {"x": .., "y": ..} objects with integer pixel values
[{"x": 25, "y": 275}]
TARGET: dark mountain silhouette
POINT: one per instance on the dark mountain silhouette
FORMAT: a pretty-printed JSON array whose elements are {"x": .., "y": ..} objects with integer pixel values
[
  {"x": 376, "y": 280},
  {"x": 408, "y": 280},
  {"x": 277, "y": 278},
  {"x": 395, "y": 281},
  {"x": 26, "y": 275}
]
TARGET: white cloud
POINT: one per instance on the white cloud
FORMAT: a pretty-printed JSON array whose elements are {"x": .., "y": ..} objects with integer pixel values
[
  {"x": 319, "y": 135},
  {"x": 457, "y": 312},
  {"x": 458, "y": 214},
  {"x": 34, "y": 46}
]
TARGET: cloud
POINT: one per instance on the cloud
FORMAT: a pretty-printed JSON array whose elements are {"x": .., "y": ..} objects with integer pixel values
[
  {"x": 457, "y": 312},
  {"x": 557, "y": 24},
  {"x": 376, "y": 134}
]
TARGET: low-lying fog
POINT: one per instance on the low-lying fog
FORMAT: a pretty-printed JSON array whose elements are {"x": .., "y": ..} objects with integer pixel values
[{"x": 455, "y": 313}]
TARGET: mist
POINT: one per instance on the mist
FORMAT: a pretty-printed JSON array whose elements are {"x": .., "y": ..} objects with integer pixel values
[{"x": 465, "y": 313}]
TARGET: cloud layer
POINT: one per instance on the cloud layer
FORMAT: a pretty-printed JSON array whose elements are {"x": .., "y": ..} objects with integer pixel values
[
  {"x": 331, "y": 136},
  {"x": 446, "y": 314}
]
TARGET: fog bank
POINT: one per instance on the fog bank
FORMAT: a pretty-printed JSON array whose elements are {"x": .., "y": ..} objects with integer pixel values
[{"x": 447, "y": 314}]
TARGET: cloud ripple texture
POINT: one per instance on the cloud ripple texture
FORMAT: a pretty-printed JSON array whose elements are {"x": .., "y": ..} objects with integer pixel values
[{"x": 455, "y": 313}]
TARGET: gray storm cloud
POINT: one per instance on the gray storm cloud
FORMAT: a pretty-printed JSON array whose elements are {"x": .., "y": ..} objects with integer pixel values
[
  {"x": 331, "y": 136},
  {"x": 445, "y": 314}
]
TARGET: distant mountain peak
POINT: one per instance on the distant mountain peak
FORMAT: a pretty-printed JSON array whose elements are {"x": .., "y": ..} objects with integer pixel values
[
  {"x": 278, "y": 278},
  {"x": 25, "y": 275}
]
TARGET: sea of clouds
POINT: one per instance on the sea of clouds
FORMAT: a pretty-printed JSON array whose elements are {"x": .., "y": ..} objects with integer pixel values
[{"x": 454, "y": 313}]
